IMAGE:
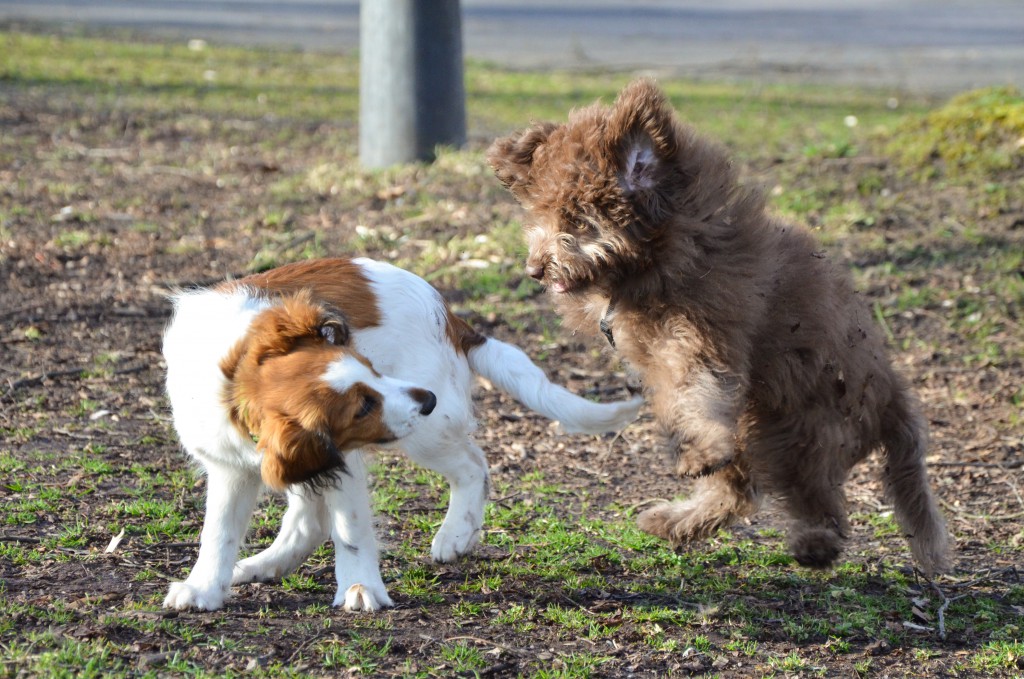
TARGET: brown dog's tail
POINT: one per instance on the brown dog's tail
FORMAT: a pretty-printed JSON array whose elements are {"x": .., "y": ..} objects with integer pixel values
[{"x": 905, "y": 438}]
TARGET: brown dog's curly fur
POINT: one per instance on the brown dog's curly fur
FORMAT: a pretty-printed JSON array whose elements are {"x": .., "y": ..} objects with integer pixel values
[{"x": 760, "y": 362}]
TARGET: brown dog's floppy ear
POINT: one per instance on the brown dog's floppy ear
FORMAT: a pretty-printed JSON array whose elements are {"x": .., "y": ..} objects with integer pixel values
[
  {"x": 293, "y": 454},
  {"x": 511, "y": 157},
  {"x": 642, "y": 134}
]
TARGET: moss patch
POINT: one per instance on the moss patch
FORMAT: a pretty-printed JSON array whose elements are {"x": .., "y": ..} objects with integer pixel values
[{"x": 976, "y": 134}]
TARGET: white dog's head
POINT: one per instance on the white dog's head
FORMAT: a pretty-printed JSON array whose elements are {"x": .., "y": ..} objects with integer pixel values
[{"x": 298, "y": 387}]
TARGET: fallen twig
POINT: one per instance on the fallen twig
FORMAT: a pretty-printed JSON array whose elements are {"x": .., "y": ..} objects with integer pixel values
[
  {"x": 982, "y": 465},
  {"x": 981, "y": 517},
  {"x": 942, "y": 609},
  {"x": 649, "y": 501},
  {"x": 946, "y": 601},
  {"x": 488, "y": 642},
  {"x": 149, "y": 569},
  {"x": 18, "y": 538},
  {"x": 306, "y": 644},
  {"x": 25, "y": 381}
]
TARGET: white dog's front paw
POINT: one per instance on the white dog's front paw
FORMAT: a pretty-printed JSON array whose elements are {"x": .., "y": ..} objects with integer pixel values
[
  {"x": 360, "y": 597},
  {"x": 452, "y": 542},
  {"x": 182, "y": 595}
]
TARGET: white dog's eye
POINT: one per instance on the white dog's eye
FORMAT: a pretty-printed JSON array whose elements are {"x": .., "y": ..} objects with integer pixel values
[{"x": 334, "y": 332}]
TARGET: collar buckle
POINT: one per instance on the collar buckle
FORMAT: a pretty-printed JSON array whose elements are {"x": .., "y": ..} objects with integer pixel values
[{"x": 606, "y": 325}]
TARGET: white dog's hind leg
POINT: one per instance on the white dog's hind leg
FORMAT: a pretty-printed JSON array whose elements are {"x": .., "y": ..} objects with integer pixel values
[
  {"x": 231, "y": 496},
  {"x": 360, "y": 586},
  {"x": 303, "y": 529},
  {"x": 464, "y": 466}
]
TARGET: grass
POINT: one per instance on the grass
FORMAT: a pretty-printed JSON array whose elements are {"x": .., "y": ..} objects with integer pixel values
[
  {"x": 974, "y": 135},
  {"x": 745, "y": 591},
  {"x": 557, "y": 569},
  {"x": 175, "y": 80}
]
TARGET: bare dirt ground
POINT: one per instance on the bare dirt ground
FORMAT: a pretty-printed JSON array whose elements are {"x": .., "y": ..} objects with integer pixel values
[{"x": 104, "y": 211}]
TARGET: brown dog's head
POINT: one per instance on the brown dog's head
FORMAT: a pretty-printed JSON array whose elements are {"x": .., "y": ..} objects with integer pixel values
[
  {"x": 601, "y": 189},
  {"x": 306, "y": 396}
]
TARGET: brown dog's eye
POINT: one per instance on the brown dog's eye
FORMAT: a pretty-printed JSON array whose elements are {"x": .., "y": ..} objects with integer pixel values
[
  {"x": 334, "y": 332},
  {"x": 368, "y": 405},
  {"x": 579, "y": 226}
]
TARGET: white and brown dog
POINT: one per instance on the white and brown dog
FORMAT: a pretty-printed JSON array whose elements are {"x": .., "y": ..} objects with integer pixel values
[{"x": 280, "y": 378}]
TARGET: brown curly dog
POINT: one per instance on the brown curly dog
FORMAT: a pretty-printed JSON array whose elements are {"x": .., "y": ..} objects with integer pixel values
[{"x": 759, "y": 359}]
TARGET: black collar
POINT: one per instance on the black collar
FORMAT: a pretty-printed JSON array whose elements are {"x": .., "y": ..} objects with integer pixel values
[{"x": 606, "y": 324}]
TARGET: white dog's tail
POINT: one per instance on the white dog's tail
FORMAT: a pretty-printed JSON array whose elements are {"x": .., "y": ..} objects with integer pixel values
[{"x": 512, "y": 371}]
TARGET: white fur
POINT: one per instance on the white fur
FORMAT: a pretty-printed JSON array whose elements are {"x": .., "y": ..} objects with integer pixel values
[
  {"x": 400, "y": 413},
  {"x": 205, "y": 326},
  {"x": 411, "y": 347},
  {"x": 512, "y": 371}
]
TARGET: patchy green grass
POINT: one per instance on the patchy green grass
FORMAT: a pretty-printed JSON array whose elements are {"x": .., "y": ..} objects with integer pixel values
[
  {"x": 758, "y": 122},
  {"x": 975, "y": 135},
  {"x": 175, "y": 78},
  {"x": 172, "y": 78},
  {"x": 591, "y": 581}
]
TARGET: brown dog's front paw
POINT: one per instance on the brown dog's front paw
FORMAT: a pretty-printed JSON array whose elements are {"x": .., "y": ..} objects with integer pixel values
[
  {"x": 690, "y": 466},
  {"x": 656, "y": 521},
  {"x": 680, "y": 522},
  {"x": 700, "y": 456}
]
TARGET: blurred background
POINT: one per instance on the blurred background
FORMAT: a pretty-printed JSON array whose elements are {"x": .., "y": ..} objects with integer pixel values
[{"x": 921, "y": 46}]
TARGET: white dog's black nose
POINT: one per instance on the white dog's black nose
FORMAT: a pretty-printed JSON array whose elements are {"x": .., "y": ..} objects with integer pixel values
[
  {"x": 425, "y": 398},
  {"x": 535, "y": 272}
]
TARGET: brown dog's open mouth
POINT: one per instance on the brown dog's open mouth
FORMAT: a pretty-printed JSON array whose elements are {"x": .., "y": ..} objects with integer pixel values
[{"x": 564, "y": 285}]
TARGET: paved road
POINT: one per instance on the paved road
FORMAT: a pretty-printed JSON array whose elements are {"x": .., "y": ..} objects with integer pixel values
[{"x": 929, "y": 46}]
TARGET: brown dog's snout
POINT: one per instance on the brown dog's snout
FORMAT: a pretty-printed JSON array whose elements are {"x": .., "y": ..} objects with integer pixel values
[
  {"x": 425, "y": 398},
  {"x": 535, "y": 272}
]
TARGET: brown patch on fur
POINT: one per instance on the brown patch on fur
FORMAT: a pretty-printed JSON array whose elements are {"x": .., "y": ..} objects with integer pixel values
[
  {"x": 275, "y": 393},
  {"x": 337, "y": 281},
  {"x": 462, "y": 336},
  {"x": 756, "y": 353}
]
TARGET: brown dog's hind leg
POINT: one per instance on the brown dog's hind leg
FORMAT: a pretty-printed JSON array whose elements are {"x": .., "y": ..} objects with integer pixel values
[
  {"x": 819, "y": 526},
  {"x": 800, "y": 460},
  {"x": 716, "y": 502}
]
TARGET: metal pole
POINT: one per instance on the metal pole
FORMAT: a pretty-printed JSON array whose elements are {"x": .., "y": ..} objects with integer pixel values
[{"x": 411, "y": 91}]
